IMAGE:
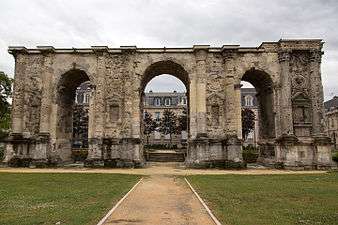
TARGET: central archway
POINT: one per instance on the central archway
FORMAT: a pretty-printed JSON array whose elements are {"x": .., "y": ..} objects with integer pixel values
[{"x": 174, "y": 69}]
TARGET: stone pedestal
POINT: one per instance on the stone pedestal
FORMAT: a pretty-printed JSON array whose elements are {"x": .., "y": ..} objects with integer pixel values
[
  {"x": 204, "y": 152},
  {"x": 115, "y": 152}
]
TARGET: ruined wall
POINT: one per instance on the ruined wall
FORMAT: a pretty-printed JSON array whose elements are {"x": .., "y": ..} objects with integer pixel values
[{"x": 286, "y": 74}]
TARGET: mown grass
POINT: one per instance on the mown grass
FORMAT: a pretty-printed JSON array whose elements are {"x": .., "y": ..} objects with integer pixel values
[
  {"x": 270, "y": 199},
  {"x": 68, "y": 198}
]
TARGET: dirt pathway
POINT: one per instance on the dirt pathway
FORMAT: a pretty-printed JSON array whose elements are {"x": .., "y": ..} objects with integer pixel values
[
  {"x": 160, "y": 199},
  {"x": 158, "y": 169}
]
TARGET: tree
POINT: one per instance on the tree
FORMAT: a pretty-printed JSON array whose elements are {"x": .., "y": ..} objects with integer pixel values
[
  {"x": 168, "y": 123},
  {"x": 5, "y": 106},
  {"x": 80, "y": 126},
  {"x": 248, "y": 122},
  {"x": 149, "y": 125},
  {"x": 183, "y": 121}
]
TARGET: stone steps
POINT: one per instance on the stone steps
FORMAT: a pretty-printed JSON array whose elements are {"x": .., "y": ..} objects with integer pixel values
[{"x": 165, "y": 156}]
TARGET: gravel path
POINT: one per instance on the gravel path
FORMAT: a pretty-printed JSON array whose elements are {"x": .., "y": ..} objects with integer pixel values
[
  {"x": 158, "y": 169},
  {"x": 161, "y": 199}
]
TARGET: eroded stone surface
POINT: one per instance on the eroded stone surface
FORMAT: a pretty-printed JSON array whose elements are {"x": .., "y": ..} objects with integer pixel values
[{"x": 286, "y": 75}]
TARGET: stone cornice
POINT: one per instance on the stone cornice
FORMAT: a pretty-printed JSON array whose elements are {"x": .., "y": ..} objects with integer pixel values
[{"x": 281, "y": 45}]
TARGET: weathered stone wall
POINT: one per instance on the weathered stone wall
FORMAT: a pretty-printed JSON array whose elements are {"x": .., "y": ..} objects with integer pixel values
[{"x": 286, "y": 75}]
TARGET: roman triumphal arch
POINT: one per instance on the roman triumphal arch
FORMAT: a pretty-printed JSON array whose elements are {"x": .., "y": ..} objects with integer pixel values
[{"x": 286, "y": 75}]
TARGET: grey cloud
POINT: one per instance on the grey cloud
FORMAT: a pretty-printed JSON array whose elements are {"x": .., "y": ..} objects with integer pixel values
[{"x": 152, "y": 23}]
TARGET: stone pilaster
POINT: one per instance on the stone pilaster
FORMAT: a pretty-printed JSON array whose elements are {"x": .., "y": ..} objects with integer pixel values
[
  {"x": 316, "y": 93},
  {"x": 285, "y": 102},
  {"x": 18, "y": 93},
  {"x": 201, "y": 54},
  {"x": 231, "y": 94},
  {"x": 46, "y": 100}
]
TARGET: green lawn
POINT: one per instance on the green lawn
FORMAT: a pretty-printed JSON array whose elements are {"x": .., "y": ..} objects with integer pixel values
[
  {"x": 69, "y": 198},
  {"x": 270, "y": 199}
]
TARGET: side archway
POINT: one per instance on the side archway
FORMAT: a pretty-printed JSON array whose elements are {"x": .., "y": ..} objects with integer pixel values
[
  {"x": 263, "y": 84},
  {"x": 65, "y": 105}
]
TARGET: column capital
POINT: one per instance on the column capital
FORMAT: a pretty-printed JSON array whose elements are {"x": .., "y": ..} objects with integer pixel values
[
  {"x": 316, "y": 56},
  {"x": 284, "y": 56}
]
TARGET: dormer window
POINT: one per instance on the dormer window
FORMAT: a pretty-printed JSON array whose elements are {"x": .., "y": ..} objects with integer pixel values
[
  {"x": 157, "y": 101},
  {"x": 167, "y": 102},
  {"x": 248, "y": 100}
]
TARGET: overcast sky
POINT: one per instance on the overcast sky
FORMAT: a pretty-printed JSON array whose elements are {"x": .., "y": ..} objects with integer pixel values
[{"x": 150, "y": 23}]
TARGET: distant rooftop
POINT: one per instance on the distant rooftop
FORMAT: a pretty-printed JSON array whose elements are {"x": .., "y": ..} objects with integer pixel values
[{"x": 331, "y": 104}]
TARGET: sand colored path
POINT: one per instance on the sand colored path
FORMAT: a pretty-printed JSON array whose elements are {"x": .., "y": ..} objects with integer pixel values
[
  {"x": 160, "y": 199},
  {"x": 158, "y": 169}
]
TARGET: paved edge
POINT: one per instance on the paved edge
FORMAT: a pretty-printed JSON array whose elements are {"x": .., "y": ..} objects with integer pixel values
[
  {"x": 213, "y": 217},
  {"x": 103, "y": 220}
]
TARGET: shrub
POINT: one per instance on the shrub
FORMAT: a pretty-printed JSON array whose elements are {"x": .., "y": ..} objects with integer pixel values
[
  {"x": 250, "y": 154},
  {"x": 335, "y": 157},
  {"x": 79, "y": 155},
  {"x": 2, "y": 152},
  {"x": 19, "y": 162}
]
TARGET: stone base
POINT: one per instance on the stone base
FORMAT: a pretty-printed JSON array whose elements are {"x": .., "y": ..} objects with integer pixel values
[
  {"x": 207, "y": 152},
  {"x": 290, "y": 152},
  {"x": 220, "y": 164}
]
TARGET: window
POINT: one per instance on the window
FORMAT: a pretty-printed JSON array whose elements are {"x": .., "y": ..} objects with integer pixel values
[
  {"x": 86, "y": 98},
  {"x": 157, "y": 101},
  {"x": 114, "y": 113},
  {"x": 167, "y": 102},
  {"x": 184, "y": 101},
  {"x": 248, "y": 100},
  {"x": 157, "y": 115}
]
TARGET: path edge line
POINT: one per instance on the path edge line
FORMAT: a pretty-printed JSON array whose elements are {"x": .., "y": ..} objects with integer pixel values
[
  {"x": 213, "y": 217},
  {"x": 103, "y": 220}
]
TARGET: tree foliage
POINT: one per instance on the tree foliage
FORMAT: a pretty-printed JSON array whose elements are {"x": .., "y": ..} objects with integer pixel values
[
  {"x": 248, "y": 122},
  {"x": 80, "y": 126},
  {"x": 183, "y": 121},
  {"x": 149, "y": 125},
  {"x": 5, "y": 106},
  {"x": 168, "y": 123}
]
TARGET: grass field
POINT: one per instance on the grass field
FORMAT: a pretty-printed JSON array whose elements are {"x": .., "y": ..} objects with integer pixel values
[
  {"x": 270, "y": 199},
  {"x": 70, "y": 198}
]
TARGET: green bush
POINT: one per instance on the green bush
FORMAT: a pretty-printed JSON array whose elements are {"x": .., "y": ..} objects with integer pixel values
[
  {"x": 335, "y": 157},
  {"x": 250, "y": 154},
  {"x": 79, "y": 155},
  {"x": 2, "y": 152},
  {"x": 19, "y": 162}
]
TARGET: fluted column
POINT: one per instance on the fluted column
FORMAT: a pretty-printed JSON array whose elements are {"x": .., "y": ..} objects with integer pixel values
[
  {"x": 285, "y": 98},
  {"x": 18, "y": 94},
  {"x": 232, "y": 104},
  {"x": 46, "y": 100},
  {"x": 201, "y": 53},
  {"x": 316, "y": 93}
]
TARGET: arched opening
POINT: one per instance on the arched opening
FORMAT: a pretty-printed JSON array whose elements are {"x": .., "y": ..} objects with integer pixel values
[
  {"x": 257, "y": 96},
  {"x": 165, "y": 111},
  {"x": 73, "y": 97}
]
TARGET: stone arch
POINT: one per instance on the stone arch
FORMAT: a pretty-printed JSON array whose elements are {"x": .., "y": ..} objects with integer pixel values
[
  {"x": 263, "y": 83},
  {"x": 64, "y": 101},
  {"x": 167, "y": 66}
]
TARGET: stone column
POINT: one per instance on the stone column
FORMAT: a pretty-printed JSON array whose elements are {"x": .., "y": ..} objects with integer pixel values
[
  {"x": 238, "y": 110},
  {"x": 285, "y": 107},
  {"x": 98, "y": 109},
  {"x": 201, "y": 54},
  {"x": 231, "y": 95},
  {"x": 192, "y": 109},
  {"x": 46, "y": 101},
  {"x": 18, "y": 93},
  {"x": 316, "y": 93}
]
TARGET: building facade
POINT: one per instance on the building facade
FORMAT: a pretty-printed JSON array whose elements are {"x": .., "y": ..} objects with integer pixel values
[
  {"x": 286, "y": 75},
  {"x": 249, "y": 101},
  {"x": 155, "y": 103},
  {"x": 331, "y": 120}
]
